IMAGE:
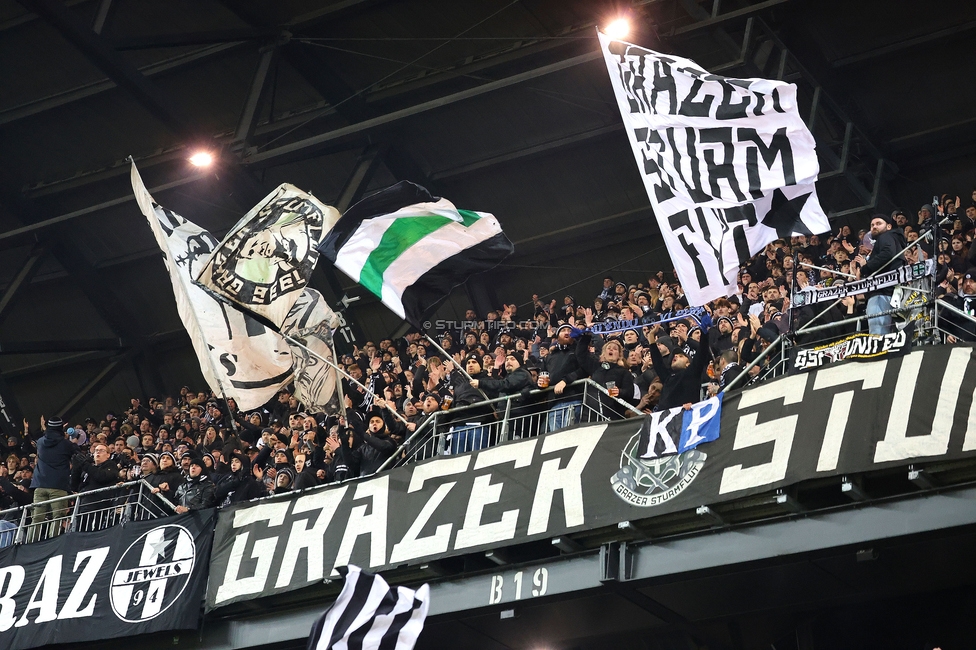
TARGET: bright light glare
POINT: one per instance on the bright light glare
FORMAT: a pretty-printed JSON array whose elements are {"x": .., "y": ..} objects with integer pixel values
[
  {"x": 201, "y": 159},
  {"x": 618, "y": 28}
]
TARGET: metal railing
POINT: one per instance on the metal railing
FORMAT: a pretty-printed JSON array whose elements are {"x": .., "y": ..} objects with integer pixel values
[
  {"x": 952, "y": 321},
  {"x": 82, "y": 512},
  {"x": 510, "y": 417}
]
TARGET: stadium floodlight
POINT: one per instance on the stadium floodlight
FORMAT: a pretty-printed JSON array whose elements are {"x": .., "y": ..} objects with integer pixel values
[
  {"x": 201, "y": 159},
  {"x": 618, "y": 28}
]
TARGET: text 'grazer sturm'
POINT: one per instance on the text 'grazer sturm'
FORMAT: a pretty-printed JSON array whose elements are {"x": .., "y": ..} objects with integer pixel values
[{"x": 728, "y": 164}]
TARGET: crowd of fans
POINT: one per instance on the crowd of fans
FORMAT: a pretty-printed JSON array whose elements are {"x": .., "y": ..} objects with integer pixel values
[{"x": 196, "y": 450}]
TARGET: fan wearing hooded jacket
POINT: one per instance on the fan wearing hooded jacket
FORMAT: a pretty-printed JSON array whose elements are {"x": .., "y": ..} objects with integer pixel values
[
  {"x": 681, "y": 378},
  {"x": 378, "y": 445},
  {"x": 52, "y": 475}
]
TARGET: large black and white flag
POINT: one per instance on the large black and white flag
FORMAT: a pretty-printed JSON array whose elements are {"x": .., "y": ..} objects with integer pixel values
[
  {"x": 239, "y": 357},
  {"x": 728, "y": 164},
  {"x": 369, "y": 614},
  {"x": 266, "y": 260},
  {"x": 410, "y": 249}
]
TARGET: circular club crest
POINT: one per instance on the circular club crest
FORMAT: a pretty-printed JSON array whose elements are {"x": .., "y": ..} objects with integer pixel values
[
  {"x": 152, "y": 573},
  {"x": 271, "y": 255},
  {"x": 648, "y": 483}
]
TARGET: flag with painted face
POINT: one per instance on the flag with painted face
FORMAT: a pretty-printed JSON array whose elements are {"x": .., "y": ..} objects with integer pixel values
[
  {"x": 410, "y": 249},
  {"x": 266, "y": 260},
  {"x": 239, "y": 357}
]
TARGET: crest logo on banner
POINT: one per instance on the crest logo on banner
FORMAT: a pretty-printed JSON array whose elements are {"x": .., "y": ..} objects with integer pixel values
[
  {"x": 662, "y": 459},
  {"x": 152, "y": 573},
  {"x": 648, "y": 483},
  {"x": 728, "y": 164}
]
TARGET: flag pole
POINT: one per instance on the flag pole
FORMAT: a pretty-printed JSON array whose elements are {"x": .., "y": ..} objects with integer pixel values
[
  {"x": 456, "y": 365},
  {"x": 342, "y": 372},
  {"x": 342, "y": 397}
]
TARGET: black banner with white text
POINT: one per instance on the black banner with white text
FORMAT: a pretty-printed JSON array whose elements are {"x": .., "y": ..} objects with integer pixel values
[
  {"x": 135, "y": 578},
  {"x": 845, "y": 418}
]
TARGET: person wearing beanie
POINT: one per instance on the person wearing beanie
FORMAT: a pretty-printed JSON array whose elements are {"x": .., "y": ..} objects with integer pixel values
[
  {"x": 167, "y": 477},
  {"x": 198, "y": 491},
  {"x": 468, "y": 434},
  {"x": 239, "y": 483},
  {"x": 148, "y": 464},
  {"x": 720, "y": 336},
  {"x": 52, "y": 476},
  {"x": 516, "y": 380},
  {"x": 284, "y": 481},
  {"x": 563, "y": 369},
  {"x": 885, "y": 256}
]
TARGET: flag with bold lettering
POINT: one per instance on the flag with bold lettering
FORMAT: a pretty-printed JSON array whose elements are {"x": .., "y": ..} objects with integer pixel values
[
  {"x": 310, "y": 322},
  {"x": 266, "y": 260},
  {"x": 239, "y": 357},
  {"x": 728, "y": 164},
  {"x": 410, "y": 249},
  {"x": 675, "y": 431},
  {"x": 369, "y": 614}
]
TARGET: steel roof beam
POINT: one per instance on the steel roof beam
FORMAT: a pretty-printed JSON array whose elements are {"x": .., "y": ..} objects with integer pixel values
[
  {"x": 21, "y": 280},
  {"x": 71, "y": 95},
  {"x": 256, "y": 96},
  {"x": 308, "y": 146},
  {"x": 111, "y": 63},
  {"x": 68, "y": 216},
  {"x": 151, "y": 41},
  {"x": 904, "y": 45}
]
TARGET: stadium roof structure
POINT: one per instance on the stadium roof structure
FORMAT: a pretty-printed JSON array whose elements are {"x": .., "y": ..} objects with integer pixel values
[{"x": 502, "y": 106}]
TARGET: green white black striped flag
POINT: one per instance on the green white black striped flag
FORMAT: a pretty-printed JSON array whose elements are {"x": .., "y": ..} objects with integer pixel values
[{"x": 410, "y": 248}]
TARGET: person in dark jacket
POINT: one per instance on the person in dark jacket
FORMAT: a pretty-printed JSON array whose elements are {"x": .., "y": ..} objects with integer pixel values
[
  {"x": 90, "y": 473},
  {"x": 345, "y": 456},
  {"x": 284, "y": 481},
  {"x": 377, "y": 445},
  {"x": 167, "y": 477},
  {"x": 52, "y": 476},
  {"x": 886, "y": 256},
  {"x": 96, "y": 471},
  {"x": 562, "y": 368},
  {"x": 467, "y": 432},
  {"x": 611, "y": 371},
  {"x": 516, "y": 380},
  {"x": 681, "y": 379},
  {"x": 198, "y": 491},
  {"x": 305, "y": 474},
  {"x": 955, "y": 324},
  {"x": 240, "y": 484}
]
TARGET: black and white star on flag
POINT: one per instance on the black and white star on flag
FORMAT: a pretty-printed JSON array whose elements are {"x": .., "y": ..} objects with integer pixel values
[{"x": 784, "y": 215}]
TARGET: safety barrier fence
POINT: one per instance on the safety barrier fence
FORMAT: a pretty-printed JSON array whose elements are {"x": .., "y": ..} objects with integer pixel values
[
  {"x": 83, "y": 512},
  {"x": 510, "y": 417}
]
